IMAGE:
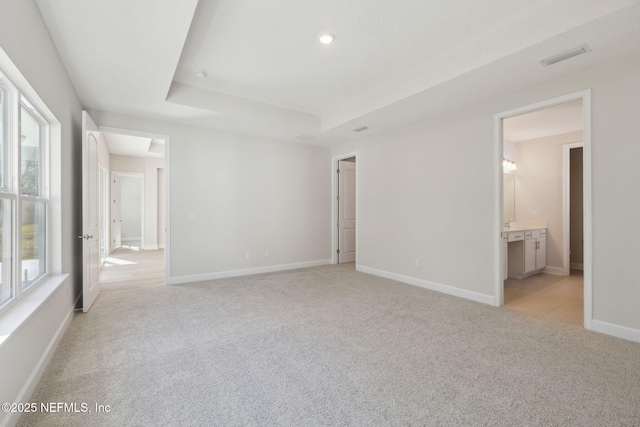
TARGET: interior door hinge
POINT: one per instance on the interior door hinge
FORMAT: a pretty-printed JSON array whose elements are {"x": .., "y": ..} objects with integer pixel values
[
  {"x": 337, "y": 224},
  {"x": 338, "y": 171},
  {"x": 338, "y": 250},
  {"x": 338, "y": 197}
]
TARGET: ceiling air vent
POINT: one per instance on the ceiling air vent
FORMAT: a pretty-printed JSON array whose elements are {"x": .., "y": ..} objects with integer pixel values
[
  {"x": 304, "y": 137},
  {"x": 360, "y": 129},
  {"x": 565, "y": 55}
]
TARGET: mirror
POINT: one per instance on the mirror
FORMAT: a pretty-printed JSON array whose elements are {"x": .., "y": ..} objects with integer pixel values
[{"x": 509, "y": 192}]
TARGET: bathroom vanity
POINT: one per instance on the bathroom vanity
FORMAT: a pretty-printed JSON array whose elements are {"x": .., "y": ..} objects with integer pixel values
[{"x": 524, "y": 251}]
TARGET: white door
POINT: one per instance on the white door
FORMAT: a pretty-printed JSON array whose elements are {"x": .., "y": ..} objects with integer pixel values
[
  {"x": 116, "y": 229},
  {"x": 103, "y": 215},
  {"x": 346, "y": 212},
  {"x": 90, "y": 213}
]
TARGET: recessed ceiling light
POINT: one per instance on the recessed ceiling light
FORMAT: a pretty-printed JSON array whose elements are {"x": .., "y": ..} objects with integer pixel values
[
  {"x": 201, "y": 74},
  {"x": 327, "y": 38}
]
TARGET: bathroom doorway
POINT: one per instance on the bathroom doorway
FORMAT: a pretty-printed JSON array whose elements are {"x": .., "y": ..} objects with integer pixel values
[{"x": 537, "y": 145}]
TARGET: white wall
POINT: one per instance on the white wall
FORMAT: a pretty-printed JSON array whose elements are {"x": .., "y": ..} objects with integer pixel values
[
  {"x": 148, "y": 166},
  {"x": 539, "y": 187},
  {"x": 130, "y": 207},
  {"x": 435, "y": 199},
  {"x": 248, "y": 194},
  {"x": 509, "y": 150},
  {"x": 24, "y": 37}
]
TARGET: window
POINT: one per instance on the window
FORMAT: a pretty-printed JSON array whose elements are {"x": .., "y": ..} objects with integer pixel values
[{"x": 24, "y": 198}]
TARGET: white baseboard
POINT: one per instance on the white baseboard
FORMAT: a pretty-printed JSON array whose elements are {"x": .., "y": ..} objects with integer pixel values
[
  {"x": 150, "y": 247},
  {"x": 38, "y": 370},
  {"x": 623, "y": 332},
  {"x": 576, "y": 265},
  {"x": 178, "y": 280},
  {"x": 445, "y": 289},
  {"x": 558, "y": 271},
  {"x": 161, "y": 246}
]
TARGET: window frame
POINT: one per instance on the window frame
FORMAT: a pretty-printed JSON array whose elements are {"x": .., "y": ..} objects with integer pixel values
[
  {"x": 5, "y": 130},
  {"x": 16, "y": 102}
]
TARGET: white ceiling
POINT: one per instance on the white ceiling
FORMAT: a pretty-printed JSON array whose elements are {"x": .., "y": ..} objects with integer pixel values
[
  {"x": 127, "y": 145},
  {"x": 392, "y": 62},
  {"x": 556, "y": 120}
]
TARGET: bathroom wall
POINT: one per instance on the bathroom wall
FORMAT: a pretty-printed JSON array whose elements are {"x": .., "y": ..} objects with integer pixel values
[{"x": 539, "y": 188}]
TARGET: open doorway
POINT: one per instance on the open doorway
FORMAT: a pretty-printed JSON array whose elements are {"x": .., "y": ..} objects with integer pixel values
[
  {"x": 544, "y": 208},
  {"x": 344, "y": 210},
  {"x": 136, "y": 213}
]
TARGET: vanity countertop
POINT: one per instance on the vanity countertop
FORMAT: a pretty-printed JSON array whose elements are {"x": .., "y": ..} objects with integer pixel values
[{"x": 524, "y": 227}]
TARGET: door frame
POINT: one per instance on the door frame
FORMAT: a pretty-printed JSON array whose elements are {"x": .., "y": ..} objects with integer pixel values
[
  {"x": 566, "y": 205},
  {"x": 167, "y": 187},
  {"x": 139, "y": 175},
  {"x": 498, "y": 215},
  {"x": 334, "y": 205}
]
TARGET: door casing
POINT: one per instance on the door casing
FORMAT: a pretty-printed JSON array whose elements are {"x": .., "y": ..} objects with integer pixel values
[
  {"x": 334, "y": 206},
  {"x": 498, "y": 216}
]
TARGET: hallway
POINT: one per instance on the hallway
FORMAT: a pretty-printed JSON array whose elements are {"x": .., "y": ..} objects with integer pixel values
[{"x": 129, "y": 268}]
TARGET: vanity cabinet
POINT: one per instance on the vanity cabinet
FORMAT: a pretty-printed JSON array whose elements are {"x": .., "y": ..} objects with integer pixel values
[
  {"x": 541, "y": 250},
  {"x": 526, "y": 252}
]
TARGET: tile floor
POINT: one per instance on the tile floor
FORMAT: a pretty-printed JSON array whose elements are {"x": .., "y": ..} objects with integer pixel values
[{"x": 545, "y": 295}]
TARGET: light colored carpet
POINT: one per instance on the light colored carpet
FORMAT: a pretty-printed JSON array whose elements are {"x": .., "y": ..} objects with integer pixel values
[{"x": 329, "y": 346}]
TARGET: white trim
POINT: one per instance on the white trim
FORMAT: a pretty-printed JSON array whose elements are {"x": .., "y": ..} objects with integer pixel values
[
  {"x": 161, "y": 246},
  {"x": 585, "y": 95},
  {"x": 576, "y": 266},
  {"x": 167, "y": 210},
  {"x": 556, "y": 271},
  {"x": 150, "y": 247},
  {"x": 244, "y": 272},
  {"x": 36, "y": 374},
  {"x": 587, "y": 211},
  {"x": 618, "y": 331},
  {"x": 498, "y": 209},
  {"x": 141, "y": 176},
  {"x": 566, "y": 205},
  {"x": 445, "y": 289},
  {"x": 334, "y": 206}
]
